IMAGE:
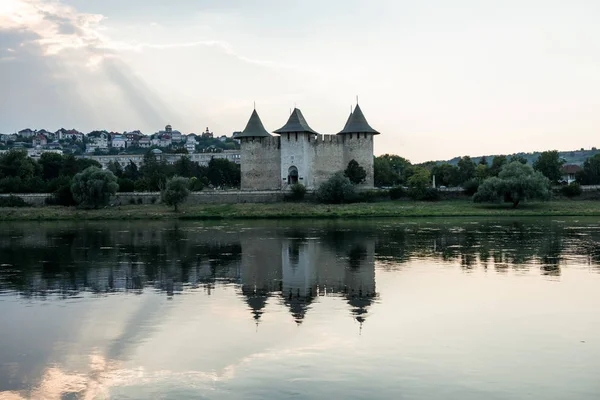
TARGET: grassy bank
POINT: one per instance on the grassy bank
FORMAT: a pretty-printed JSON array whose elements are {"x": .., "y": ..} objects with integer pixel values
[{"x": 454, "y": 208}]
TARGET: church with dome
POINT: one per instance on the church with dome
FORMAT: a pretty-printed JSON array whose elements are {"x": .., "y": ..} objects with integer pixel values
[{"x": 298, "y": 154}]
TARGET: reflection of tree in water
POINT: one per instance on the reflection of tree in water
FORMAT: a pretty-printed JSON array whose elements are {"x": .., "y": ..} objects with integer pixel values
[{"x": 66, "y": 259}]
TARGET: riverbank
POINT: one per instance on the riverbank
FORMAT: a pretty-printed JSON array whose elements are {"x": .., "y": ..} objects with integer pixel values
[{"x": 388, "y": 209}]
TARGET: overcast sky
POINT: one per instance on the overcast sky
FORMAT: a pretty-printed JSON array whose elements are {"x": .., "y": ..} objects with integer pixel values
[{"x": 437, "y": 78}]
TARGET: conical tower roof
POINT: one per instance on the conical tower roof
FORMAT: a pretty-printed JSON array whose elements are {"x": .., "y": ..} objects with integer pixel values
[
  {"x": 254, "y": 128},
  {"x": 296, "y": 123},
  {"x": 348, "y": 121},
  {"x": 357, "y": 123}
]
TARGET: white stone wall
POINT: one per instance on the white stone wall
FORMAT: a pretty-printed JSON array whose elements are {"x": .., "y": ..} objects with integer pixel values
[
  {"x": 295, "y": 151},
  {"x": 260, "y": 160}
]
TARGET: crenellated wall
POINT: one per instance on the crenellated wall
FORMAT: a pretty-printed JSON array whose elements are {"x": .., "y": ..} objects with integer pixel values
[
  {"x": 328, "y": 157},
  {"x": 265, "y": 162},
  {"x": 260, "y": 162}
]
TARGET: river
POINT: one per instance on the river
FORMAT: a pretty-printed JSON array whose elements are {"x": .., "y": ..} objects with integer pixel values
[{"x": 371, "y": 309}]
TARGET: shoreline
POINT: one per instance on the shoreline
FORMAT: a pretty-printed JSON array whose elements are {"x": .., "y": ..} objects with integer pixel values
[{"x": 289, "y": 210}]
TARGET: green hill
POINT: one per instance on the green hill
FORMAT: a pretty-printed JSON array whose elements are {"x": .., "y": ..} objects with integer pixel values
[{"x": 576, "y": 157}]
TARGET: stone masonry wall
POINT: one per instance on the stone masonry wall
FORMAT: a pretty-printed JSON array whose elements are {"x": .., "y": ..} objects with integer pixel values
[
  {"x": 328, "y": 157},
  {"x": 260, "y": 163},
  {"x": 360, "y": 149}
]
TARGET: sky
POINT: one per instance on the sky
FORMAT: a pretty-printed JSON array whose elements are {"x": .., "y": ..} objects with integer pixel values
[{"x": 437, "y": 78}]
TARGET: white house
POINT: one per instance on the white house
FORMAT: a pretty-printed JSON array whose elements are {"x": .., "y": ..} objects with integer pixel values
[
  {"x": 118, "y": 141},
  {"x": 144, "y": 142},
  {"x": 190, "y": 145}
]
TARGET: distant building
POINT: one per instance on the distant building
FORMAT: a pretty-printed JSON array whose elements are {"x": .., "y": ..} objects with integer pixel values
[
  {"x": 39, "y": 140},
  {"x": 190, "y": 146},
  {"x": 26, "y": 133},
  {"x": 144, "y": 142},
  {"x": 118, "y": 142},
  {"x": 207, "y": 133},
  {"x": 569, "y": 173}
]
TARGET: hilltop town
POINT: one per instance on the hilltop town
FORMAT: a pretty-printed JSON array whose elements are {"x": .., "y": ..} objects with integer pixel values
[{"x": 105, "y": 146}]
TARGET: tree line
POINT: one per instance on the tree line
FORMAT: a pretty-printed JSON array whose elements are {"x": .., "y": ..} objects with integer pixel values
[
  {"x": 392, "y": 170},
  {"x": 54, "y": 173}
]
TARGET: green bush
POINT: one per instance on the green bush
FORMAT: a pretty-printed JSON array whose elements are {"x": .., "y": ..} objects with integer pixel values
[
  {"x": 298, "y": 192},
  {"x": 336, "y": 190},
  {"x": 424, "y": 194},
  {"x": 571, "y": 190},
  {"x": 93, "y": 187},
  {"x": 176, "y": 191},
  {"x": 397, "y": 192},
  {"x": 61, "y": 192},
  {"x": 470, "y": 187},
  {"x": 126, "y": 185},
  {"x": 140, "y": 186},
  {"x": 515, "y": 183},
  {"x": 369, "y": 196},
  {"x": 196, "y": 184},
  {"x": 12, "y": 201}
]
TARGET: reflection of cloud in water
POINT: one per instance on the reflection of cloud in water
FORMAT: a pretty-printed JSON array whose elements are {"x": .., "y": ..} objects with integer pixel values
[{"x": 105, "y": 374}]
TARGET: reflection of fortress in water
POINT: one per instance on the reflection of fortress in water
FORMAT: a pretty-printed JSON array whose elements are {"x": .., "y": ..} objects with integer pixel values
[
  {"x": 291, "y": 264},
  {"x": 305, "y": 270},
  {"x": 275, "y": 265}
]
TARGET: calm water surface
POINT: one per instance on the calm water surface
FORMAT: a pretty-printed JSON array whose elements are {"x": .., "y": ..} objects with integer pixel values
[{"x": 426, "y": 309}]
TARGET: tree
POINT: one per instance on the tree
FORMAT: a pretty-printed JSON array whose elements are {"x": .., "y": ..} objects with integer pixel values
[
  {"x": 222, "y": 172},
  {"x": 185, "y": 167},
  {"x": 176, "y": 191},
  {"x": 590, "y": 174},
  {"x": 497, "y": 163},
  {"x": 390, "y": 170},
  {"x": 154, "y": 172},
  {"x": 446, "y": 175},
  {"x": 550, "y": 164},
  {"x": 131, "y": 171},
  {"x": 51, "y": 164},
  {"x": 115, "y": 168},
  {"x": 515, "y": 183},
  {"x": 466, "y": 169},
  {"x": 337, "y": 189},
  {"x": 355, "y": 172},
  {"x": 518, "y": 158},
  {"x": 16, "y": 163},
  {"x": 483, "y": 161},
  {"x": 419, "y": 185},
  {"x": 93, "y": 187},
  {"x": 481, "y": 172}
]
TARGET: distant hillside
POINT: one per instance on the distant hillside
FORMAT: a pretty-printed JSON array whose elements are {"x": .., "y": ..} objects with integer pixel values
[{"x": 576, "y": 157}]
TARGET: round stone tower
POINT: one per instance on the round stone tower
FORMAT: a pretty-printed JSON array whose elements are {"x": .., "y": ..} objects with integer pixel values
[
  {"x": 358, "y": 143},
  {"x": 259, "y": 157}
]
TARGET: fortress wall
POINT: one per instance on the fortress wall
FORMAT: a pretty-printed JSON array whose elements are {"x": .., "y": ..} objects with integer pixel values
[
  {"x": 360, "y": 149},
  {"x": 260, "y": 160},
  {"x": 328, "y": 156}
]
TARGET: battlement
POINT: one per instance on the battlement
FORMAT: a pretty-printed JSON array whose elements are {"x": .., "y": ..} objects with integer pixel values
[
  {"x": 273, "y": 142},
  {"x": 329, "y": 139}
]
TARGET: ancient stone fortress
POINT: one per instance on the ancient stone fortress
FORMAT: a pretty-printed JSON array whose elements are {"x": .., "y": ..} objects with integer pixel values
[{"x": 301, "y": 155}]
